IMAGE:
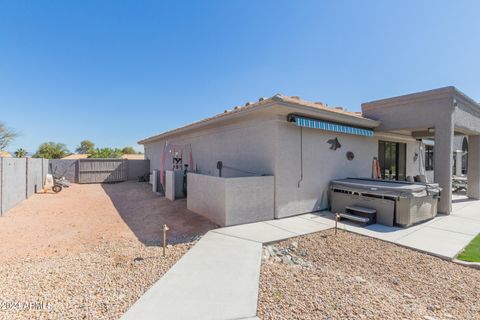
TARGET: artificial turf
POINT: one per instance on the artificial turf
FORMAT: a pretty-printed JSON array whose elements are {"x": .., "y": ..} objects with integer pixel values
[{"x": 472, "y": 251}]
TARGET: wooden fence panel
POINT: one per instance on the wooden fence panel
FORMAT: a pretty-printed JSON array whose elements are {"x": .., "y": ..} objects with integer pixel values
[{"x": 102, "y": 170}]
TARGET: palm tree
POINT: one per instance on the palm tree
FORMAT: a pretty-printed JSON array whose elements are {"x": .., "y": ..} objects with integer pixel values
[{"x": 21, "y": 153}]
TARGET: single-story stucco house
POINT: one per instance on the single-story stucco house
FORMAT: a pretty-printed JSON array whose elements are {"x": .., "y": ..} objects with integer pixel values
[{"x": 275, "y": 158}]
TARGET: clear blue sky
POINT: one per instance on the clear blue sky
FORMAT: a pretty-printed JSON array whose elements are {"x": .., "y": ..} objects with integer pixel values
[{"x": 117, "y": 71}]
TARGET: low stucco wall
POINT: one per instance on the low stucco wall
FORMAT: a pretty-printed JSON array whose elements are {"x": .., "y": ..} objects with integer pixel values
[
  {"x": 231, "y": 201},
  {"x": 174, "y": 184}
]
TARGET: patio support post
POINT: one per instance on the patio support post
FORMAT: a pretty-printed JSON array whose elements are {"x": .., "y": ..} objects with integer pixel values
[
  {"x": 473, "y": 175},
  {"x": 443, "y": 162}
]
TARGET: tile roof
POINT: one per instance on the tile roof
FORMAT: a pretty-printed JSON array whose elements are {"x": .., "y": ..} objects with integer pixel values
[
  {"x": 261, "y": 102},
  {"x": 5, "y": 154},
  {"x": 133, "y": 156},
  {"x": 75, "y": 156}
]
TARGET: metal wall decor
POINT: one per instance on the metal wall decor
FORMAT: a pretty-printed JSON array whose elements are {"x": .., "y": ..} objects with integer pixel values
[
  {"x": 350, "y": 155},
  {"x": 334, "y": 144}
]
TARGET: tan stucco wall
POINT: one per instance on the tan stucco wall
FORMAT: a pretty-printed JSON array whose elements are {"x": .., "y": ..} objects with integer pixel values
[
  {"x": 321, "y": 165},
  {"x": 268, "y": 144},
  {"x": 247, "y": 144}
]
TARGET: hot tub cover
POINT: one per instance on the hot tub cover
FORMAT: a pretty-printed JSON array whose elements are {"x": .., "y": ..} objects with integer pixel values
[{"x": 386, "y": 188}]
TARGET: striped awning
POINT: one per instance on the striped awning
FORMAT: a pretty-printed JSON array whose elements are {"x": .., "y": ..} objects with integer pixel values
[{"x": 329, "y": 126}]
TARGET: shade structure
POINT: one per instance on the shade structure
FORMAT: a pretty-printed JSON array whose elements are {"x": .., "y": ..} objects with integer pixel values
[{"x": 329, "y": 126}]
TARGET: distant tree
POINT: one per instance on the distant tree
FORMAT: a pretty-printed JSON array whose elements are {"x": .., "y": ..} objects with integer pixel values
[
  {"x": 128, "y": 150},
  {"x": 6, "y": 136},
  {"x": 21, "y": 153},
  {"x": 106, "y": 153},
  {"x": 86, "y": 146},
  {"x": 51, "y": 150}
]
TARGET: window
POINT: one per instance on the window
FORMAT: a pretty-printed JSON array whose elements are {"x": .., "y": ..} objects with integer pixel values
[
  {"x": 393, "y": 160},
  {"x": 428, "y": 158}
]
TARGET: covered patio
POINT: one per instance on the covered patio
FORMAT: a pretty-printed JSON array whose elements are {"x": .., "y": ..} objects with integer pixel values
[{"x": 439, "y": 114}]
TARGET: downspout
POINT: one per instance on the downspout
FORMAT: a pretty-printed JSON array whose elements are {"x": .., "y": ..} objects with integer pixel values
[{"x": 301, "y": 157}]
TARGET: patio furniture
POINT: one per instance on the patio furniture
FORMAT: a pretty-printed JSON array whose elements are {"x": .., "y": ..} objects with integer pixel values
[{"x": 459, "y": 183}]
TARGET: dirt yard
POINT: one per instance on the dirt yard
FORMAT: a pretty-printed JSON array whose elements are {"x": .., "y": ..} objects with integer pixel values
[
  {"x": 348, "y": 276},
  {"x": 90, "y": 251}
]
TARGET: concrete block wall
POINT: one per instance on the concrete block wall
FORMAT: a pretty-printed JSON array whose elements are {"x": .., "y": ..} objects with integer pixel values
[
  {"x": 137, "y": 168},
  {"x": 19, "y": 179},
  {"x": 231, "y": 201},
  {"x": 36, "y": 172}
]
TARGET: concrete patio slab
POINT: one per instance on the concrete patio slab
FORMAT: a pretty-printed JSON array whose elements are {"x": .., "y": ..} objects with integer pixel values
[
  {"x": 471, "y": 212},
  {"x": 216, "y": 279},
  {"x": 375, "y": 230},
  {"x": 456, "y": 206},
  {"x": 456, "y": 224},
  {"x": 460, "y": 201},
  {"x": 442, "y": 243},
  {"x": 378, "y": 231},
  {"x": 298, "y": 225},
  {"x": 260, "y": 232},
  {"x": 324, "y": 217}
]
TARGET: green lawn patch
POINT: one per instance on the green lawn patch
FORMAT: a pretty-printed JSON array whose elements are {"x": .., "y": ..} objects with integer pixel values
[{"x": 472, "y": 251}]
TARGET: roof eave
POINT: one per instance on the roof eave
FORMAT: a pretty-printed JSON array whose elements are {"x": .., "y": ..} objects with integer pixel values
[
  {"x": 201, "y": 124},
  {"x": 298, "y": 107}
]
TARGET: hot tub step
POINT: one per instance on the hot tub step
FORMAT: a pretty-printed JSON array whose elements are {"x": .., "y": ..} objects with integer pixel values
[
  {"x": 360, "y": 214},
  {"x": 354, "y": 218}
]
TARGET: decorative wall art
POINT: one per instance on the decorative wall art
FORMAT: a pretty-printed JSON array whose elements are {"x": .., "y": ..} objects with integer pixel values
[
  {"x": 350, "y": 155},
  {"x": 334, "y": 144}
]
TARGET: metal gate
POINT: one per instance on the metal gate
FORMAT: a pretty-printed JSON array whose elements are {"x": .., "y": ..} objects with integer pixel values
[{"x": 102, "y": 170}]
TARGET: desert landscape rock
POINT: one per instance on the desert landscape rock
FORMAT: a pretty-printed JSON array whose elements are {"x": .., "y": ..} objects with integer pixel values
[{"x": 348, "y": 276}]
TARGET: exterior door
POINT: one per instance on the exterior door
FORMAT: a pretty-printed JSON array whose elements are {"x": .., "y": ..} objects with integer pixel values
[{"x": 392, "y": 157}]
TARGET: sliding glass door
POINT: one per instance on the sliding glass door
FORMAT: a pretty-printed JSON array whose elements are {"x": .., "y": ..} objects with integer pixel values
[{"x": 392, "y": 157}]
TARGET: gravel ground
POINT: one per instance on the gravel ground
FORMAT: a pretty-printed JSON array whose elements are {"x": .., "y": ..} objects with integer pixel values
[
  {"x": 100, "y": 284},
  {"x": 90, "y": 251},
  {"x": 348, "y": 276},
  {"x": 80, "y": 217}
]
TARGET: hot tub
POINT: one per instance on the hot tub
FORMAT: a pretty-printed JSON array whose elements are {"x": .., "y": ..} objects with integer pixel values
[{"x": 397, "y": 203}]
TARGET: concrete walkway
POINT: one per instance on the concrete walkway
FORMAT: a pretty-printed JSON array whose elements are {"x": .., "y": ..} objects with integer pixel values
[{"x": 218, "y": 278}]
